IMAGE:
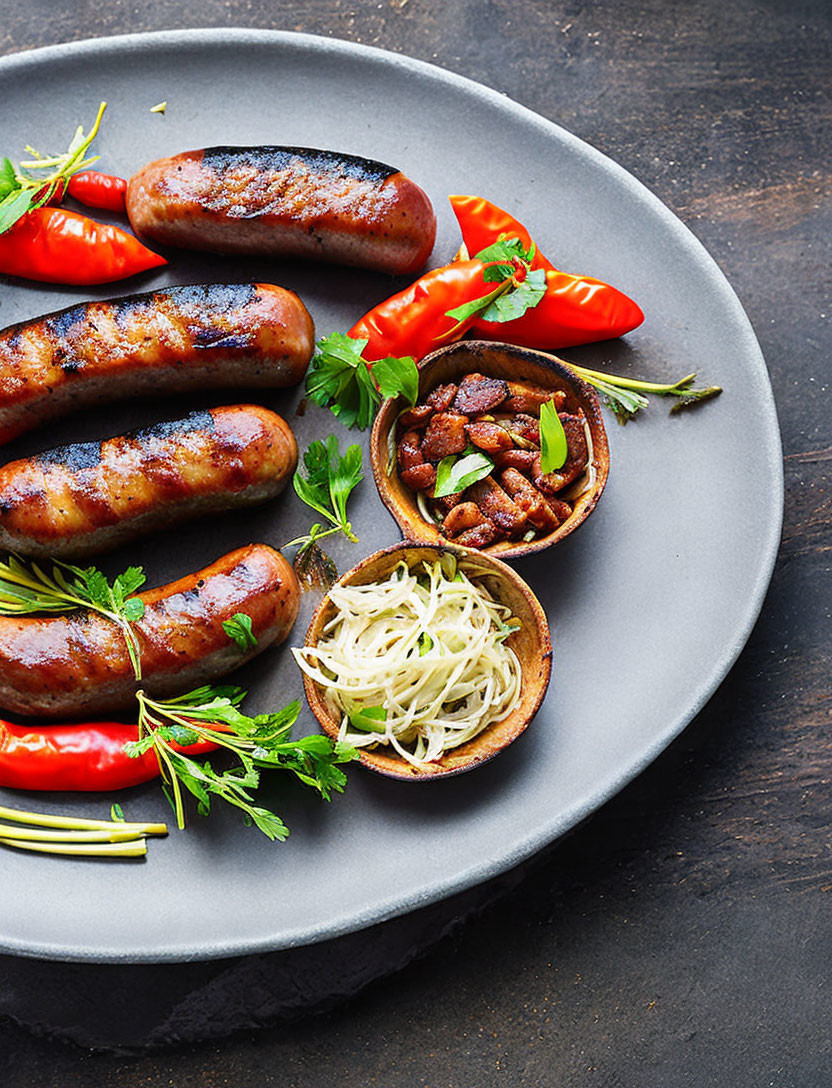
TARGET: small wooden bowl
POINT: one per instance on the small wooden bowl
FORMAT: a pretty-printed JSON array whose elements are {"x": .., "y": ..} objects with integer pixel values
[
  {"x": 531, "y": 643},
  {"x": 451, "y": 364}
]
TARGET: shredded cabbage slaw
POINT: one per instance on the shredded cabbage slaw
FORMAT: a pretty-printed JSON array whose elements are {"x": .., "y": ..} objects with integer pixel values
[{"x": 417, "y": 662}]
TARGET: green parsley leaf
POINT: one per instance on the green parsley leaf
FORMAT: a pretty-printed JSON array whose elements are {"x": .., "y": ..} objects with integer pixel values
[
  {"x": 553, "y": 447},
  {"x": 397, "y": 377},
  {"x": 8, "y": 181},
  {"x": 14, "y": 205},
  {"x": 330, "y": 480},
  {"x": 341, "y": 380},
  {"x": 238, "y": 629},
  {"x": 21, "y": 190},
  {"x": 455, "y": 473},
  {"x": 514, "y": 304},
  {"x": 260, "y": 743},
  {"x": 507, "y": 250}
]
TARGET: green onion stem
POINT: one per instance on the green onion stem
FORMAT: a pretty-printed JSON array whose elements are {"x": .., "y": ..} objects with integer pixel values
[
  {"x": 134, "y": 849},
  {"x": 43, "y": 819}
]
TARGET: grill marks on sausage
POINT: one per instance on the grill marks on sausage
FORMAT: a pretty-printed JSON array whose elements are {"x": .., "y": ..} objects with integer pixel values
[
  {"x": 65, "y": 501},
  {"x": 501, "y": 419},
  {"x": 285, "y": 201},
  {"x": 205, "y": 335},
  {"x": 66, "y": 666}
]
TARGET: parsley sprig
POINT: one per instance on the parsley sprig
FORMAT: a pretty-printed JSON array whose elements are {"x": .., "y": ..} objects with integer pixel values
[
  {"x": 341, "y": 380},
  {"x": 26, "y": 588},
  {"x": 326, "y": 487},
  {"x": 212, "y": 714},
  {"x": 35, "y": 182},
  {"x": 519, "y": 288}
]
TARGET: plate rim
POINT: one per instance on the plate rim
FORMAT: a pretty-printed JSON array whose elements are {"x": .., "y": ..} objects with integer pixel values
[{"x": 395, "y": 906}]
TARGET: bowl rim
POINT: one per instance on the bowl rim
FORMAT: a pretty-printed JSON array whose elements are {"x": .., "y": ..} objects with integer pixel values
[
  {"x": 411, "y": 523},
  {"x": 394, "y": 766}
]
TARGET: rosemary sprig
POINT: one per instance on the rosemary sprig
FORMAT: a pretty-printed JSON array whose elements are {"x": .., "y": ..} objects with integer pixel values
[
  {"x": 626, "y": 396},
  {"x": 26, "y": 588},
  {"x": 212, "y": 714}
]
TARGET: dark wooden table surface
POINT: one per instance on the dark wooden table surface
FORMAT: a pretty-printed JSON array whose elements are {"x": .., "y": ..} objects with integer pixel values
[{"x": 683, "y": 936}]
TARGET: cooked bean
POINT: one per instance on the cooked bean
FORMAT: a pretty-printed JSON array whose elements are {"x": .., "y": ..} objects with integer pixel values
[
  {"x": 420, "y": 477},
  {"x": 414, "y": 419},
  {"x": 497, "y": 506},
  {"x": 489, "y": 436},
  {"x": 445, "y": 435},
  {"x": 442, "y": 397},
  {"x": 409, "y": 453},
  {"x": 540, "y": 512}
]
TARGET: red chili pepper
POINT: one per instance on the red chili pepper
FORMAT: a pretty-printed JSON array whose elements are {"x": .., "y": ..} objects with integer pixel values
[
  {"x": 57, "y": 246},
  {"x": 575, "y": 309},
  {"x": 482, "y": 223},
  {"x": 414, "y": 322},
  {"x": 97, "y": 190},
  {"x": 86, "y": 756}
]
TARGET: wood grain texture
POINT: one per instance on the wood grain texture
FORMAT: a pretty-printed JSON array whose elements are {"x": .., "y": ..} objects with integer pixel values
[{"x": 682, "y": 935}]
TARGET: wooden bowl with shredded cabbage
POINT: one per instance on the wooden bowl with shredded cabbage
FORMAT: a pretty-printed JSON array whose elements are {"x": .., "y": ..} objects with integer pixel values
[
  {"x": 429, "y": 659},
  {"x": 421, "y": 519}
]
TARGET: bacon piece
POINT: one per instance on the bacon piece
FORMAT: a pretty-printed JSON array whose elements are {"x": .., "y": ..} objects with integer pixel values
[
  {"x": 489, "y": 436},
  {"x": 497, "y": 506},
  {"x": 524, "y": 397},
  {"x": 442, "y": 397},
  {"x": 478, "y": 394},
  {"x": 542, "y": 514},
  {"x": 576, "y": 458},
  {"x": 419, "y": 477},
  {"x": 445, "y": 435}
]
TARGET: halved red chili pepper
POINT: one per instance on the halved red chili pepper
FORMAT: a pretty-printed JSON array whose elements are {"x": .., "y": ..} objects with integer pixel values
[
  {"x": 415, "y": 321},
  {"x": 97, "y": 190},
  {"x": 53, "y": 245},
  {"x": 575, "y": 309},
  {"x": 82, "y": 757}
]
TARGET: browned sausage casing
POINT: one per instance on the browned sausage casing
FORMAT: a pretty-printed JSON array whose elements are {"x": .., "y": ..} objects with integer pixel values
[
  {"x": 285, "y": 201},
  {"x": 67, "y": 666},
  {"x": 167, "y": 341},
  {"x": 85, "y": 498}
]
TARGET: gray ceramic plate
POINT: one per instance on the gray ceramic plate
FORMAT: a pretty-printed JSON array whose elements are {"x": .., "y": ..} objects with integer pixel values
[{"x": 650, "y": 603}]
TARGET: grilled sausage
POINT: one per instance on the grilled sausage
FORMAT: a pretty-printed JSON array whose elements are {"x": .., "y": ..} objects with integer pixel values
[
  {"x": 166, "y": 341},
  {"x": 285, "y": 202},
  {"x": 81, "y": 499},
  {"x": 73, "y": 665}
]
